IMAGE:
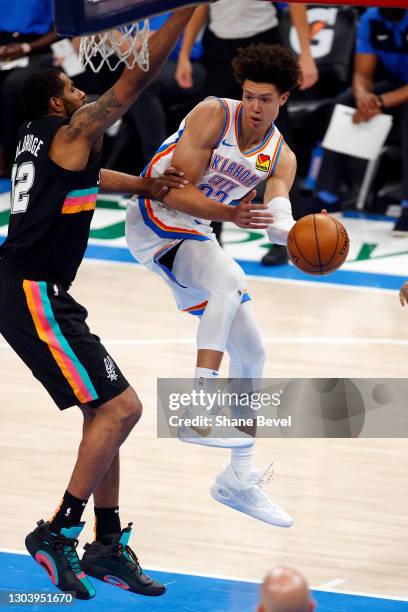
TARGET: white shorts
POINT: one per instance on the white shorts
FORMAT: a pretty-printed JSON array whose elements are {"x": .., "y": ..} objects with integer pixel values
[{"x": 148, "y": 243}]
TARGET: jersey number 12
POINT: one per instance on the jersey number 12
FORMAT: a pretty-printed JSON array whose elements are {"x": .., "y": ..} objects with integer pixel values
[{"x": 22, "y": 179}]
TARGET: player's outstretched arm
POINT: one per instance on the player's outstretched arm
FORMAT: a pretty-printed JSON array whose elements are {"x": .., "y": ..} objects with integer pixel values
[
  {"x": 89, "y": 122},
  {"x": 153, "y": 187},
  {"x": 276, "y": 197}
]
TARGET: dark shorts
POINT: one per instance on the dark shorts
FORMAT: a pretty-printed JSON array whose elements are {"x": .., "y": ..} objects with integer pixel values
[{"x": 47, "y": 329}]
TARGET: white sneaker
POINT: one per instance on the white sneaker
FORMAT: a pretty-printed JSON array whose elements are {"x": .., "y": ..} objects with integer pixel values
[
  {"x": 202, "y": 436},
  {"x": 249, "y": 497}
]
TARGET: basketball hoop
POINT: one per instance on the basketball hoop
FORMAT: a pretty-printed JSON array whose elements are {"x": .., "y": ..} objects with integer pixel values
[{"x": 127, "y": 44}]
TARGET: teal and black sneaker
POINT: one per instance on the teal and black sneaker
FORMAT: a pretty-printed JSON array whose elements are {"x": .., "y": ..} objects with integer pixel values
[
  {"x": 56, "y": 553},
  {"x": 116, "y": 563}
]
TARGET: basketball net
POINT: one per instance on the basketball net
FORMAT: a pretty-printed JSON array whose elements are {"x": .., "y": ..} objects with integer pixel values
[{"x": 127, "y": 44}]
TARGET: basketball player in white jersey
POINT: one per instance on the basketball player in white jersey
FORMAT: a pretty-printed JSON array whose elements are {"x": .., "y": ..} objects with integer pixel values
[{"x": 225, "y": 148}]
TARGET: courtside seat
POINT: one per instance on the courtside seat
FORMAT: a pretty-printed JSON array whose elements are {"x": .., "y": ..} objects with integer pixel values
[{"x": 332, "y": 39}]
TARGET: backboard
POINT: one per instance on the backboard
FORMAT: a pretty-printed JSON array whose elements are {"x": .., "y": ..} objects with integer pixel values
[{"x": 77, "y": 17}]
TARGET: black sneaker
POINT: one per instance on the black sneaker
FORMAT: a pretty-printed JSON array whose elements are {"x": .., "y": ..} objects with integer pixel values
[
  {"x": 116, "y": 563},
  {"x": 275, "y": 256},
  {"x": 401, "y": 225},
  {"x": 56, "y": 553}
]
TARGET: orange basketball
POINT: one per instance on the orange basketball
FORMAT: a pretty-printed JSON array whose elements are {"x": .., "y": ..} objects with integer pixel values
[{"x": 318, "y": 244}]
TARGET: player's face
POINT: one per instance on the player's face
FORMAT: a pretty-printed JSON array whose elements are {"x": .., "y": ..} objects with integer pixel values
[
  {"x": 261, "y": 104},
  {"x": 73, "y": 98}
]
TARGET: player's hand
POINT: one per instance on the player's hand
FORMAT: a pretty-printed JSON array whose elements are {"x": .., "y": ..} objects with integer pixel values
[
  {"x": 251, "y": 216},
  {"x": 403, "y": 294},
  {"x": 171, "y": 179},
  {"x": 184, "y": 73},
  {"x": 309, "y": 73}
]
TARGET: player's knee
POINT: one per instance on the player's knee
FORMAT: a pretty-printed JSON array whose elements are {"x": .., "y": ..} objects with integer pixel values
[
  {"x": 260, "y": 354},
  {"x": 88, "y": 414},
  {"x": 252, "y": 353},
  {"x": 133, "y": 410},
  {"x": 128, "y": 409},
  {"x": 253, "y": 359},
  {"x": 233, "y": 282}
]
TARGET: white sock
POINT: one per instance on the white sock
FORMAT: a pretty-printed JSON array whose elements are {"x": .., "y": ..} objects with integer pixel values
[
  {"x": 242, "y": 461},
  {"x": 205, "y": 373},
  {"x": 205, "y": 380}
]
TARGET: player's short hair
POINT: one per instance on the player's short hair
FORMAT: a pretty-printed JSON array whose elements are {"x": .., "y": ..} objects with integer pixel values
[
  {"x": 264, "y": 63},
  {"x": 38, "y": 89}
]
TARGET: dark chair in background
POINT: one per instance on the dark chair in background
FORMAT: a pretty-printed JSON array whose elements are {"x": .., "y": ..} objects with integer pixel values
[{"x": 332, "y": 32}]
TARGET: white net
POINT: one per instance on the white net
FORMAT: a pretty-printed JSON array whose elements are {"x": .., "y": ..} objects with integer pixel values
[{"x": 127, "y": 44}]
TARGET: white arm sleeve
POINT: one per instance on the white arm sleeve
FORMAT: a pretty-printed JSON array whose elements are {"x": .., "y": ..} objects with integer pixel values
[{"x": 283, "y": 221}]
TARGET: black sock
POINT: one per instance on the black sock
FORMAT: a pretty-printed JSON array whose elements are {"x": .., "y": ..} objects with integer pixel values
[
  {"x": 68, "y": 513},
  {"x": 107, "y": 522}
]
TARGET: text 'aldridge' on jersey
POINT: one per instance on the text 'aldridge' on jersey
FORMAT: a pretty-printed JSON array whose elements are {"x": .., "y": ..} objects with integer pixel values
[{"x": 51, "y": 209}]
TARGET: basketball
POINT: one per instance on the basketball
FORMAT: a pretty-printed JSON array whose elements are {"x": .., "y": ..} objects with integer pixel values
[{"x": 318, "y": 244}]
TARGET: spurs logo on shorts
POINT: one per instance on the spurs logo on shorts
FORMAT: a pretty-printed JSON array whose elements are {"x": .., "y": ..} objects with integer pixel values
[{"x": 110, "y": 368}]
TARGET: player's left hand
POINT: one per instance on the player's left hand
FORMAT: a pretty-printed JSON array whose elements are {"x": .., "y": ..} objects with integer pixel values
[
  {"x": 403, "y": 294},
  {"x": 171, "y": 179}
]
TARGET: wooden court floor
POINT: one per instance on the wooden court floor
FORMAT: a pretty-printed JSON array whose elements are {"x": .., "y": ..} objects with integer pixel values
[{"x": 348, "y": 497}]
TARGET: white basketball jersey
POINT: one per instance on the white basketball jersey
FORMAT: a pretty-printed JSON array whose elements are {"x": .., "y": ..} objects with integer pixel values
[{"x": 231, "y": 173}]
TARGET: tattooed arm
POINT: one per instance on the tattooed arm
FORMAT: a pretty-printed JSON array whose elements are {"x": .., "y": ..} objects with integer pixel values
[{"x": 74, "y": 142}]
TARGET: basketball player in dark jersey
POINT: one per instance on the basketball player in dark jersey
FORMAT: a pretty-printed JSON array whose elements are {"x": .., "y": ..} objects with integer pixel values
[{"x": 56, "y": 177}]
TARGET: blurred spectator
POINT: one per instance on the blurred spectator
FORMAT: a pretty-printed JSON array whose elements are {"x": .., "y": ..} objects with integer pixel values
[
  {"x": 380, "y": 84},
  {"x": 26, "y": 32},
  {"x": 285, "y": 590},
  {"x": 237, "y": 24},
  {"x": 234, "y": 25},
  {"x": 150, "y": 113}
]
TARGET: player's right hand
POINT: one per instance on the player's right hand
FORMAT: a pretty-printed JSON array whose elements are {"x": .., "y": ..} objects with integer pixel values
[
  {"x": 251, "y": 216},
  {"x": 403, "y": 294}
]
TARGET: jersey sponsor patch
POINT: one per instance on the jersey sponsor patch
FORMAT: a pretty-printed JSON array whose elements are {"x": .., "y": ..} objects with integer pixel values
[{"x": 263, "y": 162}]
